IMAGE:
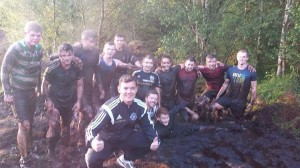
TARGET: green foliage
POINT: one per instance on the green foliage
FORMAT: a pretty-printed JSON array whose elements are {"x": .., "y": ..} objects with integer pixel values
[
  {"x": 273, "y": 87},
  {"x": 177, "y": 27},
  {"x": 293, "y": 40}
]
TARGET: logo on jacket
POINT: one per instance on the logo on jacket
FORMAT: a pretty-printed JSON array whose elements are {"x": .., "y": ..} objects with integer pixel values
[
  {"x": 133, "y": 116},
  {"x": 119, "y": 117},
  {"x": 151, "y": 78}
]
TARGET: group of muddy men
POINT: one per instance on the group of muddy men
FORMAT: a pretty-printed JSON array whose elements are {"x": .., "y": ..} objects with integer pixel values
[{"x": 122, "y": 103}]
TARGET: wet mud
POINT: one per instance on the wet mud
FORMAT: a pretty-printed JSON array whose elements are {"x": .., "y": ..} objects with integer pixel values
[{"x": 259, "y": 142}]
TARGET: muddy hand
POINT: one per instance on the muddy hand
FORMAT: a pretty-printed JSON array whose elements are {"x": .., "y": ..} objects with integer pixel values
[
  {"x": 155, "y": 144},
  {"x": 249, "y": 108},
  {"x": 8, "y": 99},
  {"x": 195, "y": 117}
]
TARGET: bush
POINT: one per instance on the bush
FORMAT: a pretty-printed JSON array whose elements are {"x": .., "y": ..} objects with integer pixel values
[{"x": 274, "y": 87}]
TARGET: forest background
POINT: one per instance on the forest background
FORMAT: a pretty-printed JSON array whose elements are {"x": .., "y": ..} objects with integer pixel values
[{"x": 269, "y": 29}]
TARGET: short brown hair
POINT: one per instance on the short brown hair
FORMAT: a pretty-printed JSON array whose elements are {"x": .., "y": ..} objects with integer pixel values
[
  {"x": 162, "y": 56},
  {"x": 65, "y": 47},
  {"x": 119, "y": 35},
  {"x": 151, "y": 92},
  {"x": 244, "y": 51},
  {"x": 126, "y": 79},
  {"x": 161, "y": 111},
  {"x": 211, "y": 56},
  {"x": 32, "y": 26},
  {"x": 88, "y": 34},
  {"x": 192, "y": 59},
  {"x": 149, "y": 57}
]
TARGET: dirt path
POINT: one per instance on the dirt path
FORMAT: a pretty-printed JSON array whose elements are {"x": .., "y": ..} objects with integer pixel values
[{"x": 225, "y": 144}]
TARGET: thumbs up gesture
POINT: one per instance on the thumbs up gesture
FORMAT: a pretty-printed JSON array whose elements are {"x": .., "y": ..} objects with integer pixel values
[
  {"x": 154, "y": 144},
  {"x": 97, "y": 144}
]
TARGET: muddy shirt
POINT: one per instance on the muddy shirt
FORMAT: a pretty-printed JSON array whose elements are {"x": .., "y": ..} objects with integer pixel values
[
  {"x": 239, "y": 83},
  {"x": 115, "y": 120},
  {"x": 168, "y": 81},
  {"x": 105, "y": 73},
  {"x": 146, "y": 82},
  {"x": 168, "y": 131},
  {"x": 214, "y": 79},
  {"x": 186, "y": 83},
  {"x": 90, "y": 60},
  {"x": 125, "y": 56},
  {"x": 63, "y": 83},
  {"x": 21, "y": 67}
]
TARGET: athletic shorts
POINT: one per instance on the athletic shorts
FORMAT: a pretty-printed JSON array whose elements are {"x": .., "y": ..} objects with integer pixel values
[
  {"x": 211, "y": 94},
  {"x": 24, "y": 104},
  {"x": 190, "y": 102},
  {"x": 65, "y": 112},
  {"x": 237, "y": 107}
]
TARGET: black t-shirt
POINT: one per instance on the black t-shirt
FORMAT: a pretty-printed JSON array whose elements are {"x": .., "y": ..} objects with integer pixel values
[
  {"x": 168, "y": 81},
  {"x": 145, "y": 82},
  {"x": 63, "y": 83},
  {"x": 105, "y": 73},
  {"x": 125, "y": 56},
  {"x": 90, "y": 60}
]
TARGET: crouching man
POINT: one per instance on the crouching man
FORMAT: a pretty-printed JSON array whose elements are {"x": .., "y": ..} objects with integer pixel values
[{"x": 113, "y": 128}]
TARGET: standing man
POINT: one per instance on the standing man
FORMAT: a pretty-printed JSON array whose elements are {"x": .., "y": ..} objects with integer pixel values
[
  {"x": 63, "y": 87},
  {"x": 106, "y": 71},
  {"x": 113, "y": 128},
  {"x": 186, "y": 83},
  {"x": 168, "y": 81},
  {"x": 123, "y": 54},
  {"x": 147, "y": 80},
  {"x": 89, "y": 54},
  {"x": 239, "y": 80},
  {"x": 20, "y": 75}
]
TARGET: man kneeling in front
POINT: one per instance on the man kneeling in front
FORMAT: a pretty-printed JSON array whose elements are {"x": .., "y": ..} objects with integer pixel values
[{"x": 113, "y": 128}]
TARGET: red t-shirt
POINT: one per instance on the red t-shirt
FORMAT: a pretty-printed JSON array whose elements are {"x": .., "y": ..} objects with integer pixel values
[{"x": 214, "y": 78}]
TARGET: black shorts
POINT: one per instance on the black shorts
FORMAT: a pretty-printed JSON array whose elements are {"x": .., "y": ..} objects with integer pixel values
[
  {"x": 65, "y": 111},
  {"x": 211, "y": 94},
  {"x": 24, "y": 104},
  {"x": 190, "y": 102},
  {"x": 237, "y": 107}
]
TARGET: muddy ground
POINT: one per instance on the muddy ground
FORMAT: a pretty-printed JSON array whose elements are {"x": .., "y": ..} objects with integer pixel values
[{"x": 261, "y": 143}]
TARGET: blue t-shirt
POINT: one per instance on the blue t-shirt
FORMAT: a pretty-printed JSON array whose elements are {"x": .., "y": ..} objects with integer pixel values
[{"x": 239, "y": 83}]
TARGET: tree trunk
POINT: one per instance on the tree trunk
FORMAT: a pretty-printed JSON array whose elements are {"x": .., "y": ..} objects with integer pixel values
[
  {"x": 102, "y": 2},
  {"x": 54, "y": 26},
  {"x": 258, "y": 47},
  {"x": 281, "y": 53}
]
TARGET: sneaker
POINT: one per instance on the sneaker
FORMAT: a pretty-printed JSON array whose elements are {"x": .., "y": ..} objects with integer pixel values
[
  {"x": 125, "y": 163},
  {"x": 25, "y": 162}
]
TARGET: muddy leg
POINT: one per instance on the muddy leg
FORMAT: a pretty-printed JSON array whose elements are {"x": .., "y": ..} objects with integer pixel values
[
  {"x": 84, "y": 119},
  {"x": 201, "y": 103},
  {"x": 23, "y": 131},
  {"x": 216, "y": 108},
  {"x": 52, "y": 135}
]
